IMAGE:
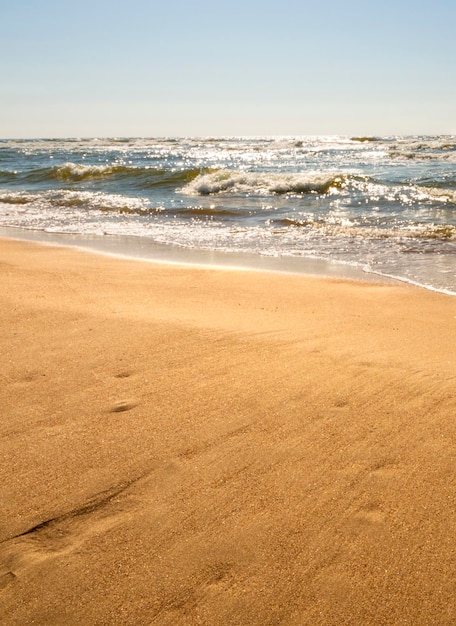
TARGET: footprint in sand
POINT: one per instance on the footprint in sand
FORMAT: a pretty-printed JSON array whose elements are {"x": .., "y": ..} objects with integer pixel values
[
  {"x": 124, "y": 374},
  {"x": 371, "y": 513},
  {"x": 6, "y": 579},
  {"x": 122, "y": 406},
  {"x": 367, "y": 520}
]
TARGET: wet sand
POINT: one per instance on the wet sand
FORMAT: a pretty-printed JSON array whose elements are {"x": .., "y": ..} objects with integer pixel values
[{"x": 201, "y": 447}]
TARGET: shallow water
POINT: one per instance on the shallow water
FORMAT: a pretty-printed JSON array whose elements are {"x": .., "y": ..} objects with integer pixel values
[{"x": 385, "y": 205}]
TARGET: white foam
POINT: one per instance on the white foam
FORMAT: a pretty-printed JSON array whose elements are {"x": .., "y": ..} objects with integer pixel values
[{"x": 227, "y": 181}]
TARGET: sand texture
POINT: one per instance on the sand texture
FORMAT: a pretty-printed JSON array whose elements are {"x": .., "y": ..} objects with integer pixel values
[{"x": 196, "y": 447}]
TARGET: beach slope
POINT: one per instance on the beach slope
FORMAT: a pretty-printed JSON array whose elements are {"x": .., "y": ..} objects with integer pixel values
[{"x": 186, "y": 446}]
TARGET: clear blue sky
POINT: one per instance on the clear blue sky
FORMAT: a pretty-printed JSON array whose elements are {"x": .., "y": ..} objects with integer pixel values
[{"x": 244, "y": 67}]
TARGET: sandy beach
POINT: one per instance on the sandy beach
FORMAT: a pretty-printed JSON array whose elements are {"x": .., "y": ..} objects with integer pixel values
[{"x": 186, "y": 446}]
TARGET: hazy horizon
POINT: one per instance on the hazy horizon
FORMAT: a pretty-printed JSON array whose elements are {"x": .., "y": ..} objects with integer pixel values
[{"x": 120, "y": 138}]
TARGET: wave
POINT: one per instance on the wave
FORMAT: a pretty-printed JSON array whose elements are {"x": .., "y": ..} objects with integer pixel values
[
  {"x": 76, "y": 172},
  {"x": 172, "y": 178},
  {"x": 432, "y": 148},
  {"x": 236, "y": 182},
  {"x": 77, "y": 200},
  {"x": 348, "y": 228},
  {"x": 230, "y": 182},
  {"x": 114, "y": 203},
  {"x": 365, "y": 139},
  {"x": 199, "y": 211},
  {"x": 408, "y": 155},
  {"x": 17, "y": 198},
  {"x": 73, "y": 172},
  {"x": 437, "y": 193},
  {"x": 7, "y": 176}
]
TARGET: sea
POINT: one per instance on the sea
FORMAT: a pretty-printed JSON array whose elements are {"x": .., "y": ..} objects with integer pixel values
[{"x": 380, "y": 207}]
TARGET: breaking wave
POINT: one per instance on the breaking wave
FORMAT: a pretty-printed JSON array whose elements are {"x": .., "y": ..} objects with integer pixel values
[
  {"x": 66, "y": 199},
  {"x": 406, "y": 155},
  {"x": 443, "y": 149},
  {"x": 388, "y": 203},
  {"x": 235, "y": 182},
  {"x": 75, "y": 172},
  {"x": 152, "y": 176},
  {"x": 347, "y": 228},
  {"x": 438, "y": 194}
]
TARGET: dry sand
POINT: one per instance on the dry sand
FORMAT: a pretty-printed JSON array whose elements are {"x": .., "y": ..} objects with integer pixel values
[{"x": 186, "y": 446}]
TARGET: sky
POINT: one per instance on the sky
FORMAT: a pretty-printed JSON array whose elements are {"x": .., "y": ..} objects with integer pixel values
[{"x": 206, "y": 68}]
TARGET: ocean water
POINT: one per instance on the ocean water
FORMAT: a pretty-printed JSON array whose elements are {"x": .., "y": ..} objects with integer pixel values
[{"x": 385, "y": 205}]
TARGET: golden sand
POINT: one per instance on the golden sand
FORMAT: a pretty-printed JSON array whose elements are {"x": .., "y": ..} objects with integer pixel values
[{"x": 209, "y": 447}]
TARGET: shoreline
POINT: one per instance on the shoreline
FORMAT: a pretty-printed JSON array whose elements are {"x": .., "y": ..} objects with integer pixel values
[
  {"x": 141, "y": 249},
  {"x": 184, "y": 446}
]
